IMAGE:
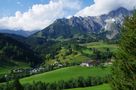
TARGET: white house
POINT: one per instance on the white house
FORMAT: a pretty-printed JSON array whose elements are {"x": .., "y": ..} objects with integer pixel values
[
  {"x": 89, "y": 63},
  {"x": 84, "y": 64}
]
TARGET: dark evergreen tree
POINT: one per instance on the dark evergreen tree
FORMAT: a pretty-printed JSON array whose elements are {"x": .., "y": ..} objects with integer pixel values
[
  {"x": 124, "y": 69},
  {"x": 16, "y": 85}
]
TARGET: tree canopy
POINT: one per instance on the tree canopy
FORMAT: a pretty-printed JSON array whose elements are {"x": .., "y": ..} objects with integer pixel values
[{"x": 124, "y": 69}]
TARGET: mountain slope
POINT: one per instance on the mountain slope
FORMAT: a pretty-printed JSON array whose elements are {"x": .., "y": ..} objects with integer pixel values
[{"x": 11, "y": 50}]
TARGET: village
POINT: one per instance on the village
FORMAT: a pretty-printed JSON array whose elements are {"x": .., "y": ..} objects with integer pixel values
[{"x": 31, "y": 71}]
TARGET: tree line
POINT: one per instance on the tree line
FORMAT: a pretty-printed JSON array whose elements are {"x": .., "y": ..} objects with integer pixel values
[{"x": 60, "y": 85}]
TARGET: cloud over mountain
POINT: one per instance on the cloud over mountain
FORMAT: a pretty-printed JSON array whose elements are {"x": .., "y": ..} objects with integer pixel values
[
  {"x": 104, "y": 6},
  {"x": 40, "y": 15}
]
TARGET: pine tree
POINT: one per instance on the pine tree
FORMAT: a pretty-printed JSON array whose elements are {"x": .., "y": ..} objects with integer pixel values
[
  {"x": 16, "y": 85},
  {"x": 124, "y": 68}
]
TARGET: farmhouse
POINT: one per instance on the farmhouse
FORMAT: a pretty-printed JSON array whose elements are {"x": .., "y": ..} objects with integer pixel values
[
  {"x": 84, "y": 64},
  {"x": 108, "y": 63},
  {"x": 89, "y": 63}
]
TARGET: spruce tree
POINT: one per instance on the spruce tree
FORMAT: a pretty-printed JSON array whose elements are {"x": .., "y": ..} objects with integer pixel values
[
  {"x": 124, "y": 68},
  {"x": 17, "y": 85}
]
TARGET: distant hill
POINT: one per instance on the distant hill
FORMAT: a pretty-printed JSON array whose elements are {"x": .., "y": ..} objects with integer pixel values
[
  {"x": 15, "y": 36},
  {"x": 12, "y": 50},
  {"x": 18, "y": 32}
]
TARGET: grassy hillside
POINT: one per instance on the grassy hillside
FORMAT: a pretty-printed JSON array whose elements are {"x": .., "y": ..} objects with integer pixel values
[
  {"x": 101, "y": 46},
  {"x": 77, "y": 54},
  {"x": 66, "y": 74},
  {"x": 7, "y": 68},
  {"x": 4, "y": 70},
  {"x": 100, "y": 87},
  {"x": 65, "y": 56}
]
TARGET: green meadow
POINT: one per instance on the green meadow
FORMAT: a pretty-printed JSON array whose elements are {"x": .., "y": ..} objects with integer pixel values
[
  {"x": 67, "y": 74},
  {"x": 99, "y": 87},
  {"x": 5, "y": 69},
  {"x": 101, "y": 46}
]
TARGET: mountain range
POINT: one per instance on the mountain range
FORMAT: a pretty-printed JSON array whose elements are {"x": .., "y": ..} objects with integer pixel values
[
  {"x": 108, "y": 24},
  {"x": 66, "y": 28}
]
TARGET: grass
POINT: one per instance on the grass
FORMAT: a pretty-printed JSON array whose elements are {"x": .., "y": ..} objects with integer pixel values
[
  {"x": 66, "y": 74},
  {"x": 87, "y": 51},
  {"x": 70, "y": 59},
  {"x": 99, "y": 87},
  {"x": 62, "y": 57},
  {"x": 76, "y": 58},
  {"x": 4, "y": 70},
  {"x": 101, "y": 46},
  {"x": 83, "y": 54},
  {"x": 7, "y": 68},
  {"x": 80, "y": 58}
]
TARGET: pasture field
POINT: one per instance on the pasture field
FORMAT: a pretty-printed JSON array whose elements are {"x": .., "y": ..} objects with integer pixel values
[
  {"x": 99, "y": 87},
  {"x": 5, "y": 69},
  {"x": 101, "y": 46},
  {"x": 67, "y": 74}
]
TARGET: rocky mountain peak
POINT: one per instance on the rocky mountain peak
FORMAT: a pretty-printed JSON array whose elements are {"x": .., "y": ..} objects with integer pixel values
[{"x": 87, "y": 25}]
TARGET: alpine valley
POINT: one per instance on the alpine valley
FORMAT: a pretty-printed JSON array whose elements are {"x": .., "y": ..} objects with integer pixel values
[{"x": 62, "y": 51}]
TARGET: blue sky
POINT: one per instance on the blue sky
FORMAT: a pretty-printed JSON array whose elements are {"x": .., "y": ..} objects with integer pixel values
[{"x": 9, "y": 7}]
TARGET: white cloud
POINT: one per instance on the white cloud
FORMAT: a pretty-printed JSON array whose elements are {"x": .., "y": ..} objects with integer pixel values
[
  {"x": 40, "y": 16},
  {"x": 105, "y": 6}
]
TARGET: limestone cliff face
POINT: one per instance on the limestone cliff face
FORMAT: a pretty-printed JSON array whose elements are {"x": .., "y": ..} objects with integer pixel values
[{"x": 109, "y": 23}]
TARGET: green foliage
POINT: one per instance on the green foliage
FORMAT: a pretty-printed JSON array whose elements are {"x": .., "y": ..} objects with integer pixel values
[
  {"x": 124, "y": 70},
  {"x": 72, "y": 53},
  {"x": 15, "y": 85},
  {"x": 60, "y": 85},
  {"x": 13, "y": 50}
]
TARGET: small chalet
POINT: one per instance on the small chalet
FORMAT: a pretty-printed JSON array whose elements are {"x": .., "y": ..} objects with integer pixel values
[{"x": 89, "y": 63}]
